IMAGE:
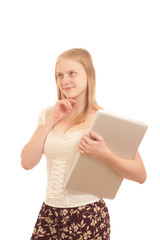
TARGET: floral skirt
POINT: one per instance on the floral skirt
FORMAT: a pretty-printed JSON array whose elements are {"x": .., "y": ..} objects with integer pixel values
[{"x": 90, "y": 221}]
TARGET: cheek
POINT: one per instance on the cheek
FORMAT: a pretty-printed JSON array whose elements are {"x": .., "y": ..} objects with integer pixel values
[
  {"x": 81, "y": 85},
  {"x": 58, "y": 84},
  {"x": 85, "y": 80},
  {"x": 85, "y": 84},
  {"x": 82, "y": 82}
]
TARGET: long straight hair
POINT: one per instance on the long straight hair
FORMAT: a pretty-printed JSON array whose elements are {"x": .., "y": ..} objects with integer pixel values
[{"x": 83, "y": 57}]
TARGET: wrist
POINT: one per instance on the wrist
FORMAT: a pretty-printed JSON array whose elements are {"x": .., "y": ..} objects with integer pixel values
[{"x": 108, "y": 156}]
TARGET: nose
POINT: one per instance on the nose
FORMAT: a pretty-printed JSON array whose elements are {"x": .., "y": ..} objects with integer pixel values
[{"x": 65, "y": 79}]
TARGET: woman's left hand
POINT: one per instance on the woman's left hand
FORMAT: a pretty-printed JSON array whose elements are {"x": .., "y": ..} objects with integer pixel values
[
  {"x": 95, "y": 147},
  {"x": 131, "y": 169}
]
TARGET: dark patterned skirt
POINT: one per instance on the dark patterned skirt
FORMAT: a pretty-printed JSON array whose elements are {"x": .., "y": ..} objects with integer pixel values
[{"x": 90, "y": 221}]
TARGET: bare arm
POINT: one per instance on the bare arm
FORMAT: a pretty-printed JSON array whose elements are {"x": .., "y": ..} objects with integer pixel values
[
  {"x": 132, "y": 169},
  {"x": 127, "y": 168},
  {"x": 32, "y": 152}
]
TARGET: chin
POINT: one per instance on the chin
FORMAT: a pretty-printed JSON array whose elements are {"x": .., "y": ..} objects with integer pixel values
[{"x": 71, "y": 95}]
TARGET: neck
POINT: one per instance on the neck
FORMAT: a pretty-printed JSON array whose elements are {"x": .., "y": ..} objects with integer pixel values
[{"x": 81, "y": 104}]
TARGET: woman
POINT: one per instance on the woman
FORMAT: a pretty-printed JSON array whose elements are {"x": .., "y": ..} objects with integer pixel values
[{"x": 60, "y": 134}]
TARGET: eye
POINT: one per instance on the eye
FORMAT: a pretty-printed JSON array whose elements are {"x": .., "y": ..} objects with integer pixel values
[
  {"x": 72, "y": 73},
  {"x": 60, "y": 75}
]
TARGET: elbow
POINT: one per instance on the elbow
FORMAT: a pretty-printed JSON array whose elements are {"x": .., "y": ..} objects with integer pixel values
[
  {"x": 25, "y": 163},
  {"x": 25, "y": 166},
  {"x": 142, "y": 178}
]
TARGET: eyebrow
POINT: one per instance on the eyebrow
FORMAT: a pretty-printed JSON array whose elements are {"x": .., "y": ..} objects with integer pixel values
[{"x": 72, "y": 70}]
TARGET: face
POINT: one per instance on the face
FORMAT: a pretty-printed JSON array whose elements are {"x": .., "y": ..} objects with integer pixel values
[{"x": 71, "y": 78}]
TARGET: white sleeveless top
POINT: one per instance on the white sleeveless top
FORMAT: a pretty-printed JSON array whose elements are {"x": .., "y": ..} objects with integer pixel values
[{"x": 60, "y": 151}]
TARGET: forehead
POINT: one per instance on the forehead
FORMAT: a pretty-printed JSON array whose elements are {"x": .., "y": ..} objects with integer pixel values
[{"x": 67, "y": 64}]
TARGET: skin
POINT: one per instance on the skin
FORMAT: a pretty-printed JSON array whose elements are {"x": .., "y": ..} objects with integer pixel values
[
  {"x": 72, "y": 74},
  {"x": 72, "y": 102},
  {"x": 127, "y": 168},
  {"x": 130, "y": 169},
  {"x": 72, "y": 81}
]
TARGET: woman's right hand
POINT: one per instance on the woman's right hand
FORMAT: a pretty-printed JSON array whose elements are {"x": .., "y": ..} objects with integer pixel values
[
  {"x": 61, "y": 108},
  {"x": 33, "y": 150}
]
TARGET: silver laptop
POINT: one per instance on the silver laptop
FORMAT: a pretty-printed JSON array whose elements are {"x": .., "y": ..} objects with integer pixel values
[{"x": 93, "y": 176}]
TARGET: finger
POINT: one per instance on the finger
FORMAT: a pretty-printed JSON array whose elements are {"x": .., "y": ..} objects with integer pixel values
[
  {"x": 84, "y": 138},
  {"x": 87, "y": 139},
  {"x": 73, "y": 102},
  {"x": 65, "y": 104},
  {"x": 63, "y": 96},
  {"x": 81, "y": 149},
  {"x": 83, "y": 144},
  {"x": 66, "y": 101},
  {"x": 69, "y": 104},
  {"x": 95, "y": 136}
]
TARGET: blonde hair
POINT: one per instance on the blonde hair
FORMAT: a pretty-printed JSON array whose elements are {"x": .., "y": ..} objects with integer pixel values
[{"x": 82, "y": 56}]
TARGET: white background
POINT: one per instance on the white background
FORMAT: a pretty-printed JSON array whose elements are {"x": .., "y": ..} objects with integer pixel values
[{"x": 123, "y": 38}]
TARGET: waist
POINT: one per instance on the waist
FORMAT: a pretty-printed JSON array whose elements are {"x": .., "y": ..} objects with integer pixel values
[{"x": 70, "y": 200}]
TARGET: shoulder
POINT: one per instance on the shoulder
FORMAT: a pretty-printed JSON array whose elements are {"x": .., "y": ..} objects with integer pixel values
[
  {"x": 90, "y": 117},
  {"x": 92, "y": 113},
  {"x": 48, "y": 109},
  {"x": 44, "y": 113}
]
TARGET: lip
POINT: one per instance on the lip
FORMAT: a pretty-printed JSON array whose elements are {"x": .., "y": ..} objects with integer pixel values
[{"x": 68, "y": 88}]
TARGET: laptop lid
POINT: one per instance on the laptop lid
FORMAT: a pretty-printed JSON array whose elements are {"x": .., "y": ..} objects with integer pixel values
[{"x": 93, "y": 176}]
